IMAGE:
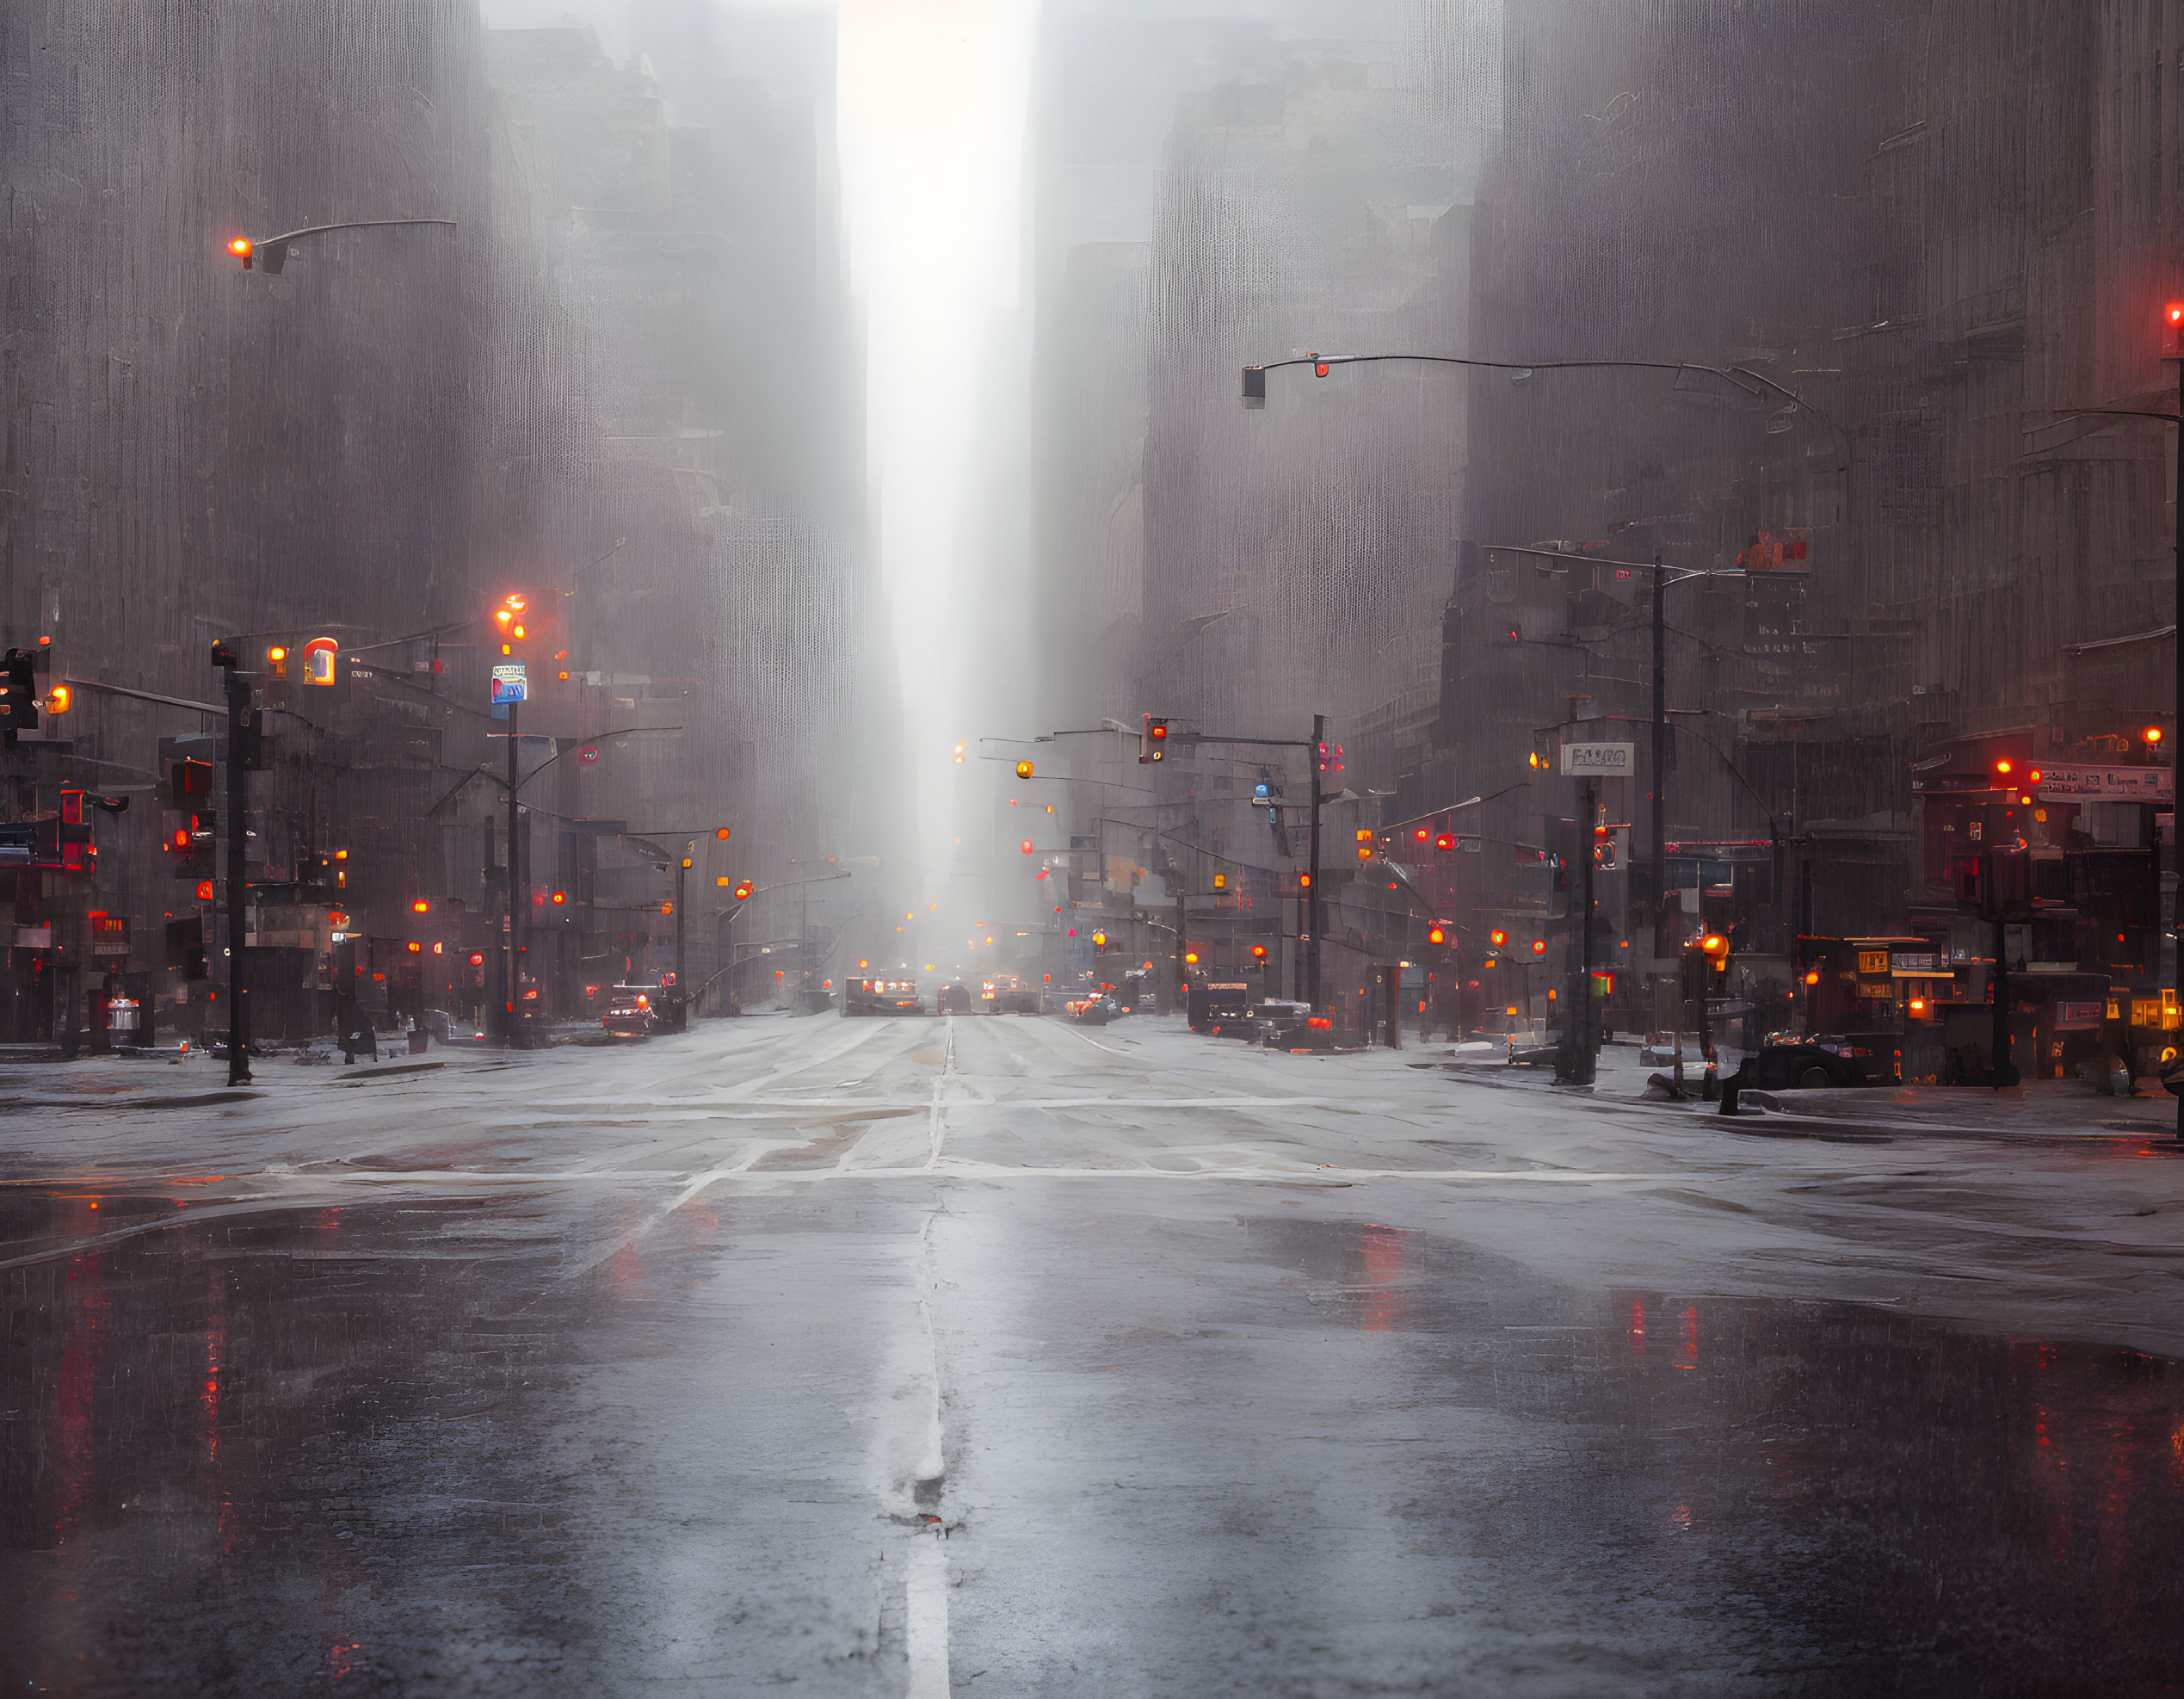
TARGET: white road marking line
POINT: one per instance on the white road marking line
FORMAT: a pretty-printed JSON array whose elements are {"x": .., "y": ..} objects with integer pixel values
[
  {"x": 933, "y": 1126},
  {"x": 925, "y": 1612}
]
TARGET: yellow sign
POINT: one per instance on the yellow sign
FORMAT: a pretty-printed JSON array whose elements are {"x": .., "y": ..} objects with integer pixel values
[{"x": 1872, "y": 962}]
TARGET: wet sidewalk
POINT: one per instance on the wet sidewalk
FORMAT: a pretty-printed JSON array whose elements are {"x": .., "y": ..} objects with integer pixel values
[{"x": 2039, "y": 1107}]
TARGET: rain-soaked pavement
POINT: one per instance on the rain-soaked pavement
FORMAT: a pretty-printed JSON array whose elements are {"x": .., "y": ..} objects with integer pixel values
[{"x": 980, "y": 1357}]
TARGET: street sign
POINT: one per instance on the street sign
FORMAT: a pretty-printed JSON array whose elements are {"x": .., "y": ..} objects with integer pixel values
[
  {"x": 508, "y": 684},
  {"x": 2070, "y": 782},
  {"x": 1617, "y": 761}
]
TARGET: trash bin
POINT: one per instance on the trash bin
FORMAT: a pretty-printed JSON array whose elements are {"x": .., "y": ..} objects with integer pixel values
[{"x": 419, "y": 1039}]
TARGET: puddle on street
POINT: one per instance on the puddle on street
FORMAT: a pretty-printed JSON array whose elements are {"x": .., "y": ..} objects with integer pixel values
[
  {"x": 232, "y": 1455},
  {"x": 1929, "y": 1511}
]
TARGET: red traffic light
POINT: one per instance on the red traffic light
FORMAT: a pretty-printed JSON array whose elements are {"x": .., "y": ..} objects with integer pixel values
[
  {"x": 421, "y": 907},
  {"x": 742, "y": 889},
  {"x": 560, "y": 896},
  {"x": 1435, "y": 936},
  {"x": 241, "y": 247},
  {"x": 1259, "y": 951},
  {"x": 2176, "y": 313},
  {"x": 478, "y": 958},
  {"x": 720, "y": 834},
  {"x": 1445, "y": 840},
  {"x": 204, "y": 890},
  {"x": 1497, "y": 937},
  {"x": 1538, "y": 947},
  {"x": 1026, "y": 846}
]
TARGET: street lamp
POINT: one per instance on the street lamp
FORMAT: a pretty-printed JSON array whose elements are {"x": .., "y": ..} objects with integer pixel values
[{"x": 271, "y": 254}]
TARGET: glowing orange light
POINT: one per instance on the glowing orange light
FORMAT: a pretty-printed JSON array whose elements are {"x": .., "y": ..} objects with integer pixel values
[
  {"x": 1026, "y": 846},
  {"x": 204, "y": 890},
  {"x": 2176, "y": 313},
  {"x": 742, "y": 890},
  {"x": 2153, "y": 734},
  {"x": 1713, "y": 943},
  {"x": 1538, "y": 947},
  {"x": 59, "y": 699},
  {"x": 720, "y": 834},
  {"x": 1190, "y": 958},
  {"x": 421, "y": 907},
  {"x": 1497, "y": 937},
  {"x": 1023, "y": 769},
  {"x": 1259, "y": 951},
  {"x": 2004, "y": 767},
  {"x": 241, "y": 247},
  {"x": 415, "y": 950},
  {"x": 561, "y": 896},
  {"x": 1435, "y": 936},
  {"x": 1812, "y": 977}
]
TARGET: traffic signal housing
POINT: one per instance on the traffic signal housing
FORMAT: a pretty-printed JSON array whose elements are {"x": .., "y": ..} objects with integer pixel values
[
  {"x": 18, "y": 694},
  {"x": 1152, "y": 741}
]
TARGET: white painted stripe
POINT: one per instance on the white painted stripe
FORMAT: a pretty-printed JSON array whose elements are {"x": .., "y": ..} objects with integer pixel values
[{"x": 925, "y": 1618}]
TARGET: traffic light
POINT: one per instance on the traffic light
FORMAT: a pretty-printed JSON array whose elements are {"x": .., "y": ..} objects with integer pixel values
[
  {"x": 1497, "y": 937},
  {"x": 1220, "y": 881},
  {"x": 1445, "y": 840},
  {"x": 1023, "y": 769},
  {"x": 319, "y": 656},
  {"x": 1436, "y": 934},
  {"x": 1538, "y": 947},
  {"x": 1258, "y": 952},
  {"x": 241, "y": 247},
  {"x": 743, "y": 888},
  {"x": 2153, "y": 735},
  {"x": 1152, "y": 741},
  {"x": 18, "y": 694},
  {"x": 58, "y": 699},
  {"x": 1026, "y": 846}
]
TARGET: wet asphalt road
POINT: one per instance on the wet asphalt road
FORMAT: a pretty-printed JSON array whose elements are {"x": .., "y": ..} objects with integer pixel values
[{"x": 989, "y": 1356}]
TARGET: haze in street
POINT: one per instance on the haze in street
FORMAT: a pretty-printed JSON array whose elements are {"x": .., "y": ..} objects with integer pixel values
[{"x": 964, "y": 847}]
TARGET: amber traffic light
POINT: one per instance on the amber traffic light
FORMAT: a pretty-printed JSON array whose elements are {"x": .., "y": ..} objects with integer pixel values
[
  {"x": 421, "y": 907},
  {"x": 1023, "y": 769},
  {"x": 2153, "y": 734},
  {"x": 241, "y": 247},
  {"x": 1435, "y": 934}
]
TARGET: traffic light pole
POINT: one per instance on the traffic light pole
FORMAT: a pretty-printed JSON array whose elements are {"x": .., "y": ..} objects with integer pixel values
[
  {"x": 515, "y": 908},
  {"x": 238, "y": 1004},
  {"x": 1311, "y": 984},
  {"x": 681, "y": 874},
  {"x": 1660, "y": 833}
]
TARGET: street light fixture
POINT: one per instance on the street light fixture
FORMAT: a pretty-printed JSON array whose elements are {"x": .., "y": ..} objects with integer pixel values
[{"x": 270, "y": 254}]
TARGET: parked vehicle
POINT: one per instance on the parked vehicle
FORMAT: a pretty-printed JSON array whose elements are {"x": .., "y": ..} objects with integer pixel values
[
  {"x": 1213, "y": 1007},
  {"x": 1281, "y": 1023},
  {"x": 630, "y": 1013},
  {"x": 1005, "y": 994},
  {"x": 1093, "y": 1012},
  {"x": 955, "y": 999},
  {"x": 881, "y": 997},
  {"x": 450, "y": 1028},
  {"x": 1791, "y": 1060}
]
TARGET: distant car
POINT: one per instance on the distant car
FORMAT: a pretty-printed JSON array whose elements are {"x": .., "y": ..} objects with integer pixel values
[
  {"x": 1093, "y": 1012},
  {"x": 630, "y": 1013},
  {"x": 1222, "y": 1009},
  {"x": 452, "y": 1029},
  {"x": 956, "y": 1000},
  {"x": 1787, "y": 1061},
  {"x": 1005, "y": 994},
  {"x": 881, "y": 997}
]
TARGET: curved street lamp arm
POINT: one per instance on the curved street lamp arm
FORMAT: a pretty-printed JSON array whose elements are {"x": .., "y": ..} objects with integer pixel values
[{"x": 272, "y": 254}]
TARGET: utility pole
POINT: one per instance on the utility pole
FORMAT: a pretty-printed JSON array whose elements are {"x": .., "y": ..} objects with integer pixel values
[
  {"x": 1587, "y": 1055},
  {"x": 1660, "y": 834},
  {"x": 1319, "y": 739},
  {"x": 515, "y": 908},
  {"x": 681, "y": 880},
  {"x": 238, "y": 706}
]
